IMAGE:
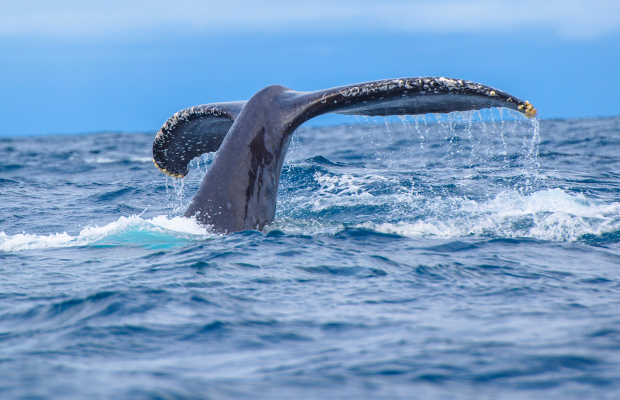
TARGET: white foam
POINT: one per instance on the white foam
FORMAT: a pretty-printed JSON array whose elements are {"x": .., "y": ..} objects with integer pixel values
[
  {"x": 550, "y": 214},
  {"x": 175, "y": 228},
  {"x": 99, "y": 160},
  {"x": 305, "y": 227},
  {"x": 141, "y": 159},
  {"x": 108, "y": 160},
  {"x": 344, "y": 184},
  {"x": 345, "y": 191},
  {"x": 27, "y": 241}
]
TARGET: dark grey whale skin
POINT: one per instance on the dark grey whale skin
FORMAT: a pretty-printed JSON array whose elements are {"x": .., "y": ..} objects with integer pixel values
[{"x": 239, "y": 191}]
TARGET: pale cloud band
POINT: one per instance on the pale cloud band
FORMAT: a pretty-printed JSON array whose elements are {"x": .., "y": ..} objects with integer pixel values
[{"x": 574, "y": 19}]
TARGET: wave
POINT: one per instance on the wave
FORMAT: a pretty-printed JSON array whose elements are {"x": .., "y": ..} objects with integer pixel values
[
  {"x": 109, "y": 160},
  {"x": 156, "y": 232},
  {"x": 550, "y": 214}
]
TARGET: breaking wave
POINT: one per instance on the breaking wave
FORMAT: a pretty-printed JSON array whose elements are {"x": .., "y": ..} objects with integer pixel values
[
  {"x": 550, "y": 214},
  {"x": 160, "y": 231}
]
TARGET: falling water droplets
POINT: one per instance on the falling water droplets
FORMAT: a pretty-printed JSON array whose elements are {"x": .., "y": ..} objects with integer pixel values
[{"x": 398, "y": 169}]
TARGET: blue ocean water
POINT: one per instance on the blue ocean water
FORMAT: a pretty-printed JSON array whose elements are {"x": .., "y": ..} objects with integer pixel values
[{"x": 467, "y": 256}]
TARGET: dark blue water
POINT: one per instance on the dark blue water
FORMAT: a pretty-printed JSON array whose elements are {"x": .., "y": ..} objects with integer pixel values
[{"x": 409, "y": 258}]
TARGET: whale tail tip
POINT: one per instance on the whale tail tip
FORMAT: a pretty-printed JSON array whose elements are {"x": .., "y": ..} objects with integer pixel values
[{"x": 528, "y": 109}]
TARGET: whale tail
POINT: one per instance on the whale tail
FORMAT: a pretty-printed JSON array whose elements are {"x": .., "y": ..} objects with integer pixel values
[{"x": 251, "y": 138}]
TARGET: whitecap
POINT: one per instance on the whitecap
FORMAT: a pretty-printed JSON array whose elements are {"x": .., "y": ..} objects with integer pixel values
[
  {"x": 550, "y": 214},
  {"x": 142, "y": 230}
]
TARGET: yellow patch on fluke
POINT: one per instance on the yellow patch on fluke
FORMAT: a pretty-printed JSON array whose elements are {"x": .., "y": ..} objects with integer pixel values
[
  {"x": 165, "y": 171},
  {"x": 528, "y": 109}
]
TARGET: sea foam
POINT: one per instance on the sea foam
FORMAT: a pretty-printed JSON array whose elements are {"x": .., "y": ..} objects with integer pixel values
[
  {"x": 172, "y": 229},
  {"x": 550, "y": 214}
]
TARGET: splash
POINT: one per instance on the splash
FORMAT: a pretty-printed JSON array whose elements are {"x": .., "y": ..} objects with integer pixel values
[
  {"x": 462, "y": 174},
  {"x": 159, "y": 231},
  {"x": 472, "y": 173},
  {"x": 550, "y": 214}
]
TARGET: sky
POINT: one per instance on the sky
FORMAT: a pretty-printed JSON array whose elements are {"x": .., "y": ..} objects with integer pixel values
[{"x": 77, "y": 66}]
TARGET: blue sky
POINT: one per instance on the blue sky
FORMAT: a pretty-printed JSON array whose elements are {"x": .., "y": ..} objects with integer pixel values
[{"x": 76, "y": 66}]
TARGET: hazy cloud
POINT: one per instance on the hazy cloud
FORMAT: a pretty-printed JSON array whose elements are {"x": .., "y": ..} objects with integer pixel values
[{"x": 575, "y": 19}]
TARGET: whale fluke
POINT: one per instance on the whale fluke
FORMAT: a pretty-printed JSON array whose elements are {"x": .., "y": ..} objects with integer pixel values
[
  {"x": 190, "y": 133},
  {"x": 251, "y": 137}
]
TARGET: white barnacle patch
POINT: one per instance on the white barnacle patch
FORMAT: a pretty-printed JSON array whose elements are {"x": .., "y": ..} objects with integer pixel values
[
  {"x": 324, "y": 99},
  {"x": 448, "y": 83}
]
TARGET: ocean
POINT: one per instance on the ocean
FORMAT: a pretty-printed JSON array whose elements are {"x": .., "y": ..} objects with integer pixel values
[{"x": 463, "y": 256}]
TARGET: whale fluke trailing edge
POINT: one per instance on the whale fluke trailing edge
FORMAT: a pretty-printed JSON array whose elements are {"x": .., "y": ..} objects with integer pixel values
[{"x": 239, "y": 190}]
